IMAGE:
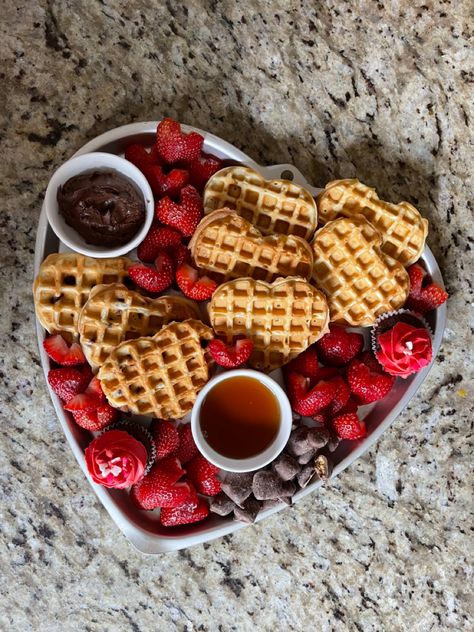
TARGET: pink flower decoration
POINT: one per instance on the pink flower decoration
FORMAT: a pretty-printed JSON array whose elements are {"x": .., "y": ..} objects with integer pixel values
[
  {"x": 404, "y": 349},
  {"x": 116, "y": 459}
]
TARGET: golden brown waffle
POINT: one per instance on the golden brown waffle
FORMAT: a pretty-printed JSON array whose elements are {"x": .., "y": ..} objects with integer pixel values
[
  {"x": 402, "y": 228},
  {"x": 231, "y": 247},
  {"x": 281, "y": 318},
  {"x": 64, "y": 283},
  {"x": 359, "y": 280},
  {"x": 272, "y": 206},
  {"x": 161, "y": 375},
  {"x": 114, "y": 313}
]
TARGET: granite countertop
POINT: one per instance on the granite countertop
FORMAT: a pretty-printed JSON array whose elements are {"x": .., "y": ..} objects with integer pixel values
[{"x": 378, "y": 90}]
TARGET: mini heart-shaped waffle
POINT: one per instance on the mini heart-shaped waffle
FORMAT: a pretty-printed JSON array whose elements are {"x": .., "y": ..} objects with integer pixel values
[
  {"x": 114, "y": 314},
  {"x": 161, "y": 375},
  {"x": 281, "y": 318},
  {"x": 359, "y": 280},
  {"x": 64, "y": 283},
  {"x": 227, "y": 244},
  {"x": 401, "y": 226},
  {"x": 272, "y": 206}
]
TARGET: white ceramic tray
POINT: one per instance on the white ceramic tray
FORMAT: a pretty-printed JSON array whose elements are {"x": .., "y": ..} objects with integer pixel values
[{"x": 143, "y": 528}]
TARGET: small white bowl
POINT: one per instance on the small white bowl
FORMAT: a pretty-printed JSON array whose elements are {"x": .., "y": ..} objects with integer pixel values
[
  {"x": 92, "y": 162},
  {"x": 259, "y": 460}
]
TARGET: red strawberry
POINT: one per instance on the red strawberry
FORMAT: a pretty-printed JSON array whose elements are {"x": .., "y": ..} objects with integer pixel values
[
  {"x": 308, "y": 402},
  {"x": 94, "y": 388},
  {"x": 67, "y": 383},
  {"x": 160, "y": 487},
  {"x": 162, "y": 183},
  {"x": 166, "y": 437},
  {"x": 98, "y": 419},
  {"x": 366, "y": 384},
  {"x": 201, "y": 169},
  {"x": 140, "y": 157},
  {"x": 83, "y": 401},
  {"x": 180, "y": 254},
  {"x": 339, "y": 346},
  {"x": 341, "y": 396},
  {"x": 62, "y": 353},
  {"x": 174, "y": 145},
  {"x": 193, "y": 286},
  {"x": 326, "y": 373},
  {"x": 183, "y": 215},
  {"x": 157, "y": 239},
  {"x": 424, "y": 295},
  {"x": 231, "y": 356},
  {"x": 350, "y": 407},
  {"x": 186, "y": 514},
  {"x": 187, "y": 448},
  {"x": 371, "y": 361},
  {"x": 153, "y": 280},
  {"x": 305, "y": 364},
  {"x": 349, "y": 426},
  {"x": 202, "y": 475}
]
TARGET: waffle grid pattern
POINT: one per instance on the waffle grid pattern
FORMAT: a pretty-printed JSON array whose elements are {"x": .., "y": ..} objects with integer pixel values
[
  {"x": 158, "y": 376},
  {"x": 114, "y": 314},
  {"x": 402, "y": 228},
  {"x": 282, "y": 319},
  {"x": 64, "y": 283},
  {"x": 274, "y": 206},
  {"x": 359, "y": 281},
  {"x": 229, "y": 246}
]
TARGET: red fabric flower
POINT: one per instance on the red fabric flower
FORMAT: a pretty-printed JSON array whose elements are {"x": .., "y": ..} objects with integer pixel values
[
  {"x": 116, "y": 459},
  {"x": 404, "y": 349}
]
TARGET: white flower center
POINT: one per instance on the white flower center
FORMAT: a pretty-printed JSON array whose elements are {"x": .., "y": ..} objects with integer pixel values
[
  {"x": 408, "y": 348},
  {"x": 111, "y": 467}
]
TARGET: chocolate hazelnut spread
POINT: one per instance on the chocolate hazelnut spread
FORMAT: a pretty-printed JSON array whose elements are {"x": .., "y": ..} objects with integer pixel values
[{"x": 103, "y": 206}]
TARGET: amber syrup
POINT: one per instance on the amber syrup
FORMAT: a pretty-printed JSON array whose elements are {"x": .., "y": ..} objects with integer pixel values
[{"x": 240, "y": 417}]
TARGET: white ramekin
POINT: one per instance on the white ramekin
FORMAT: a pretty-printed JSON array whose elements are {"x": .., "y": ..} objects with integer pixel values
[
  {"x": 259, "y": 460},
  {"x": 90, "y": 162}
]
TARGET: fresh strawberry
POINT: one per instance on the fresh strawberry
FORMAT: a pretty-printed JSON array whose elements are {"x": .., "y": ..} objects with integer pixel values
[
  {"x": 67, "y": 382},
  {"x": 202, "y": 475},
  {"x": 187, "y": 448},
  {"x": 173, "y": 145},
  {"x": 180, "y": 254},
  {"x": 83, "y": 401},
  {"x": 62, "y": 353},
  {"x": 165, "y": 436},
  {"x": 349, "y": 426},
  {"x": 192, "y": 285},
  {"x": 98, "y": 419},
  {"x": 424, "y": 295},
  {"x": 153, "y": 280},
  {"x": 368, "y": 358},
  {"x": 305, "y": 364},
  {"x": 141, "y": 157},
  {"x": 201, "y": 169},
  {"x": 183, "y": 215},
  {"x": 186, "y": 514},
  {"x": 162, "y": 183},
  {"x": 341, "y": 396},
  {"x": 231, "y": 356},
  {"x": 94, "y": 388},
  {"x": 350, "y": 407},
  {"x": 160, "y": 487},
  {"x": 366, "y": 384},
  {"x": 306, "y": 401},
  {"x": 326, "y": 373},
  {"x": 339, "y": 346},
  {"x": 158, "y": 238}
]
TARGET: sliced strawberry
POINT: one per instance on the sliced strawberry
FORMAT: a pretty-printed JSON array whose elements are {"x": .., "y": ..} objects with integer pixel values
[
  {"x": 350, "y": 407},
  {"x": 94, "y": 388},
  {"x": 160, "y": 487},
  {"x": 67, "y": 382},
  {"x": 349, "y": 426},
  {"x": 183, "y": 215},
  {"x": 140, "y": 157},
  {"x": 192, "y": 285},
  {"x": 62, "y": 353},
  {"x": 165, "y": 436},
  {"x": 83, "y": 401},
  {"x": 201, "y": 169},
  {"x": 203, "y": 475},
  {"x": 163, "y": 183},
  {"x": 173, "y": 145},
  {"x": 158, "y": 238},
  {"x": 187, "y": 448},
  {"x": 305, "y": 401},
  {"x": 153, "y": 280},
  {"x": 339, "y": 346},
  {"x": 98, "y": 419},
  {"x": 424, "y": 295},
  {"x": 186, "y": 514},
  {"x": 341, "y": 396},
  {"x": 231, "y": 356},
  {"x": 366, "y": 384},
  {"x": 306, "y": 363},
  {"x": 180, "y": 254}
]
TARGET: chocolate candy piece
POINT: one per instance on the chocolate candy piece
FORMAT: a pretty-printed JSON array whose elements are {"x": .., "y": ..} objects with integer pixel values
[
  {"x": 237, "y": 486},
  {"x": 298, "y": 442},
  {"x": 221, "y": 504},
  {"x": 305, "y": 475},
  {"x": 318, "y": 437},
  {"x": 305, "y": 458},
  {"x": 286, "y": 467},
  {"x": 267, "y": 485},
  {"x": 248, "y": 512}
]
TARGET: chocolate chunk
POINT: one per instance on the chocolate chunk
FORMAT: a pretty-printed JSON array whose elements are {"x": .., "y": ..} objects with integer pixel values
[
  {"x": 305, "y": 458},
  {"x": 334, "y": 441},
  {"x": 267, "y": 485},
  {"x": 318, "y": 437},
  {"x": 286, "y": 467},
  {"x": 236, "y": 485},
  {"x": 221, "y": 504},
  {"x": 248, "y": 512},
  {"x": 298, "y": 442},
  {"x": 269, "y": 504},
  {"x": 305, "y": 476}
]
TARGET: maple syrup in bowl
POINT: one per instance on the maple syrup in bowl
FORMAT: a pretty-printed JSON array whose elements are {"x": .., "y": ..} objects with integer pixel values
[{"x": 241, "y": 420}]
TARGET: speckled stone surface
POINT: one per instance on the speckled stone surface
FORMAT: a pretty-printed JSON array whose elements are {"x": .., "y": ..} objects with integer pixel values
[{"x": 379, "y": 90}]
